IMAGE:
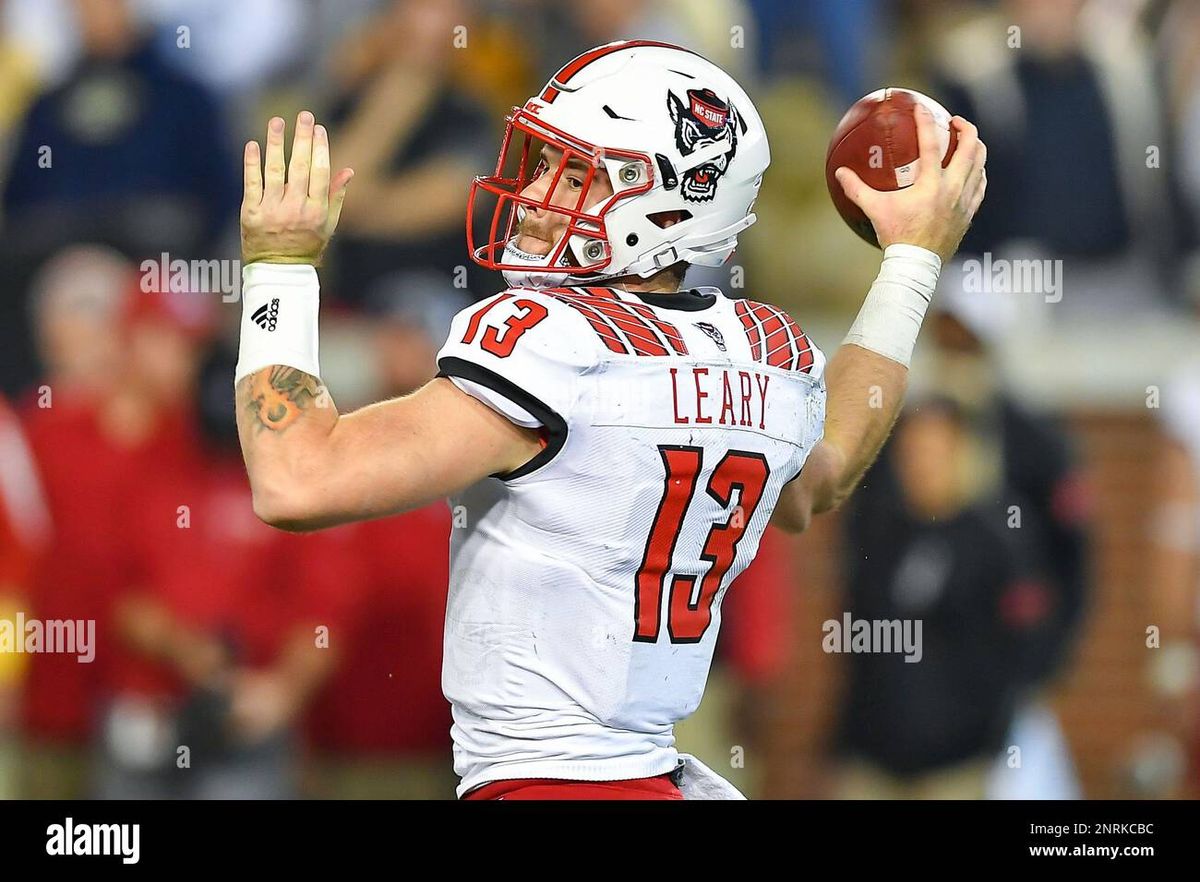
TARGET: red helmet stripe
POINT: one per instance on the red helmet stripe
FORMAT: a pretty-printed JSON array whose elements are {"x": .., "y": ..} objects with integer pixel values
[{"x": 574, "y": 66}]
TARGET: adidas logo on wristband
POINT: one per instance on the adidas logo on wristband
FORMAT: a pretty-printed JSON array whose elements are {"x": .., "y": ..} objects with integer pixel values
[{"x": 267, "y": 315}]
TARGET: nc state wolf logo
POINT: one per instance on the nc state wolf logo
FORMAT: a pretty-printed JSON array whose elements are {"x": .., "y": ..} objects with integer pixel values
[{"x": 703, "y": 121}]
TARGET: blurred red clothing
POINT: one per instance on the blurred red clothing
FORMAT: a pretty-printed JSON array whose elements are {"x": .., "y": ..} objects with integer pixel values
[
  {"x": 194, "y": 545},
  {"x": 757, "y": 613},
  {"x": 386, "y": 696},
  {"x": 24, "y": 521},
  {"x": 85, "y": 474}
]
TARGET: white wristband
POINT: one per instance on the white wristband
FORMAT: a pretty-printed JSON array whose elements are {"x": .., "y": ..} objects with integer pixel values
[
  {"x": 279, "y": 318},
  {"x": 895, "y": 306}
]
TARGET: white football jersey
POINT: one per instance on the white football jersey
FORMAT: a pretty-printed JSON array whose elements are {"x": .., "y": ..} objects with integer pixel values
[{"x": 586, "y": 586}]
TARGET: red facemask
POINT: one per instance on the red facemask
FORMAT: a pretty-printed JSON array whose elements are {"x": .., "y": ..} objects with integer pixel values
[{"x": 518, "y": 166}]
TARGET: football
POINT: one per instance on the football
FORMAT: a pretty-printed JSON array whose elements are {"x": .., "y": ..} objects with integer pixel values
[{"x": 877, "y": 138}]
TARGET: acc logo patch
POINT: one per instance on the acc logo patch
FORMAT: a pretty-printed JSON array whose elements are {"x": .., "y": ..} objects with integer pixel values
[{"x": 714, "y": 332}]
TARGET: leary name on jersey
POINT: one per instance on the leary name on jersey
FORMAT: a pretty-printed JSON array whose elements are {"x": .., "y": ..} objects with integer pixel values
[{"x": 586, "y": 586}]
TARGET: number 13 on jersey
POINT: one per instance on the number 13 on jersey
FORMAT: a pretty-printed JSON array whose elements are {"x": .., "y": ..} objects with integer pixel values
[{"x": 689, "y": 609}]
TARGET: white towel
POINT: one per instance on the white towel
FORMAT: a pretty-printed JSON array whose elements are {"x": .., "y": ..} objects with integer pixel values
[{"x": 698, "y": 781}]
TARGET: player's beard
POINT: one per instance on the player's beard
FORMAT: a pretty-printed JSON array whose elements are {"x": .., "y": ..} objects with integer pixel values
[
  {"x": 531, "y": 277},
  {"x": 538, "y": 238}
]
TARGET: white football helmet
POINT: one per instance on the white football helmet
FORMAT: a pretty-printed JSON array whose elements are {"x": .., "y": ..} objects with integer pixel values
[{"x": 674, "y": 133}]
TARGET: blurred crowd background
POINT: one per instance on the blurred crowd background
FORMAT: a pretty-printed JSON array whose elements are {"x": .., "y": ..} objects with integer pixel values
[{"x": 1038, "y": 508}]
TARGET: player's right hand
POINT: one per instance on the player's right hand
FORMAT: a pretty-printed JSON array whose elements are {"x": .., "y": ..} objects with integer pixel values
[
  {"x": 289, "y": 212},
  {"x": 937, "y": 209}
]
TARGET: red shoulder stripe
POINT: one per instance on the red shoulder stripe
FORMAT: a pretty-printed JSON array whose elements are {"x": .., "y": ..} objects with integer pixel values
[
  {"x": 600, "y": 325},
  {"x": 778, "y": 341},
  {"x": 637, "y": 330},
  {"x": 669, "y": 331},
  {"x": 804, "y": 354},
  {"x": 750, "y": 325}
]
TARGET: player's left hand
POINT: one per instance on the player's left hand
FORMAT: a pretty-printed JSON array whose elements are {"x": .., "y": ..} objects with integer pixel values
[{"x": 290, "y": 212}]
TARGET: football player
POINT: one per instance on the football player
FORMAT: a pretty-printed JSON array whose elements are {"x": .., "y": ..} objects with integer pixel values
[{"x": 613, "y": 447}]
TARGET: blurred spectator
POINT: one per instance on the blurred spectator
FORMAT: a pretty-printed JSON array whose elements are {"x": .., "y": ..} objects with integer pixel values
[
  {"x": 1051, "y": 494},
  {"x": 731, "y": 728},
  {"x": 410, "y": 313},
  {"x": 1031, "y": 455},
  {"x": 840, "y": 40},
  {"x": 225, "y": 628},
  {"x": 229, "y": 47},
  {"x": 1028, "y": 464},
  {"x": 329, "y": 20},
  {"x": 414, "y": 141},
  {"x": 77, "y": 303},
  {"x": 213, "y": 626},
  {"x": 1066, "y": 96},
  {"x": 124, "y": 150},
  {"x": 381, "y": 727},
  {"x": 798, "y": 254},
  {"x": 24, "y": 531},
  {"x": 936, "y": 554},
  {"x": 96, "y": 427}
]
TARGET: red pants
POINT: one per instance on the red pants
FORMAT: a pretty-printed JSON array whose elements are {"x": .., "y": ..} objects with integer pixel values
[{"x": 657, "y": 787}]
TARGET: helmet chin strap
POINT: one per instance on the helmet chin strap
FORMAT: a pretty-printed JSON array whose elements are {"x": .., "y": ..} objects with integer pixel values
[
  {"x": 529, "y": 276},
  {"x": 532, "y": 274}
]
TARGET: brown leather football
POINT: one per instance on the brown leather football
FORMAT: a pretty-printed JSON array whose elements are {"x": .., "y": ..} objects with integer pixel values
[{"x": 877, "y": 138}]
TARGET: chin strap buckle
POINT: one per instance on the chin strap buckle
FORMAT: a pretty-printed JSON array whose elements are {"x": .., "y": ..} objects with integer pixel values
[{"x": 666, "y": 258}]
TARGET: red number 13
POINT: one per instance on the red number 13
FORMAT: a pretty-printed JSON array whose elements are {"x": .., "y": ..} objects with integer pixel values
[
  {"x": 688, "y": 617},
  {"x": 492, "y": 341}
]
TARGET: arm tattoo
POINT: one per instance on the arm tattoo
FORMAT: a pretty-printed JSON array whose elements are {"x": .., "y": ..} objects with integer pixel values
[{"x": 275, "y": 397}]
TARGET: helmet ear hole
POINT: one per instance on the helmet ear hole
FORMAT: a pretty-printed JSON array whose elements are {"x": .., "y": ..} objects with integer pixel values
[{"x": 664, "y": 219}]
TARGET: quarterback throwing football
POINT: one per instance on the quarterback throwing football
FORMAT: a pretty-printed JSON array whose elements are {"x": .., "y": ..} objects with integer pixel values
[{"x": 617, "y": 445}]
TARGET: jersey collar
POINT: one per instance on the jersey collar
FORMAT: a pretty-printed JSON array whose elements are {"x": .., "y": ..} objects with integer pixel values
[{"x": 691, "y": 300}]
